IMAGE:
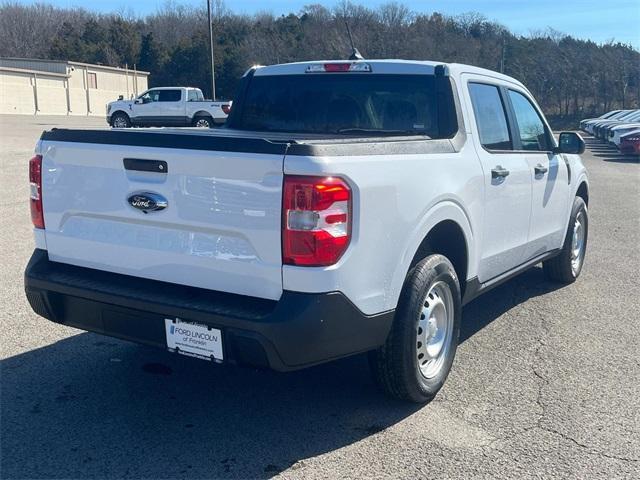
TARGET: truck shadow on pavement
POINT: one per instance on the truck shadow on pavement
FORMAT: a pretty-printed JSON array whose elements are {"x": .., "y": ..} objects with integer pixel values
[
  {"x": 491, "y": 305},
  {"x": 93, "y": 407}
]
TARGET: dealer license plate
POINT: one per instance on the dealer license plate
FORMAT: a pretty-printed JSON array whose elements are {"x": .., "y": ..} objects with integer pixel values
[{"x": 193, "y": 339}]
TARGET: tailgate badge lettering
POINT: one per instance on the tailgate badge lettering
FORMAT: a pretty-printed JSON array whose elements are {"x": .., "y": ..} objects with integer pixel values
[{"x": 147, "y": 201}]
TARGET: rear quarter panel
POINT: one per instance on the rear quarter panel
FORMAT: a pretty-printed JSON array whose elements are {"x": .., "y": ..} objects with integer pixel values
[{"x": 397, "y": 199}]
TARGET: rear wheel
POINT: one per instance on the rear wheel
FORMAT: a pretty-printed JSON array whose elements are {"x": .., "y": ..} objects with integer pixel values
[
  {"x": 416, "y": 359},
  {"x": 203, "y": 122},
  {"x": 566, "y": 266},
  {"x": 120, "y": 120}
]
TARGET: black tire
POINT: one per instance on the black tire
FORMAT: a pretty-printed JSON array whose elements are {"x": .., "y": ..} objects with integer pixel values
[
  {"x": 561, "y": 267},
  {"x": 395, "y": 365},
  {"x": 120, "y": 120},
  {"x": 203, "y": 122}
]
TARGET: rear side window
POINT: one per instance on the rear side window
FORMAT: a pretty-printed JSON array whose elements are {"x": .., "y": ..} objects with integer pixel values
[
  {"x": 491, "y": 118},
  {"x": 169, "y": 96},
  {"x": 358, "y": 104},
  {"x": 195, "y": 96},
  {"x": 531, "y": 129}
]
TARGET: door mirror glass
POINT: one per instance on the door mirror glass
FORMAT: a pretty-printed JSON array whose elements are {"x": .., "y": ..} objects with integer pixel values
[{"x": 571, "y": 142}]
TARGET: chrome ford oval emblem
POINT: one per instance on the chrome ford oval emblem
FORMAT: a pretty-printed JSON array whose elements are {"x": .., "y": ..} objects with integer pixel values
[{"x": 147, "y": 201}]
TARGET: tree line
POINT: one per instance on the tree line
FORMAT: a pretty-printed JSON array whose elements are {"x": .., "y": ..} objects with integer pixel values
[{"x": 569, "y": 76}]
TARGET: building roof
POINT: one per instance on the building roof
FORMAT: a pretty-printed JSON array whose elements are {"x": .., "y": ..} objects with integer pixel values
[
  {"x": 72, "y": 63},
  {"x": 31, "y": 72}
]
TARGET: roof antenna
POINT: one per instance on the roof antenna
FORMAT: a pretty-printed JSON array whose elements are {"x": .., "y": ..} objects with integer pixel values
[{"x": 355, "y": 54}]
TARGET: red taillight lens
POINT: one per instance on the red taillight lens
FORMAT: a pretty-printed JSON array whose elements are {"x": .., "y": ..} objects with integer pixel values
[
  {"x": 226, "y": 109},
  {"x": 35, "y": 183},
  {"x": 316, "y": 224}
]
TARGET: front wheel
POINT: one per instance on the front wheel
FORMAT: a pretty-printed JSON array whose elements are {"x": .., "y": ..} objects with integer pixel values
[
  {"x": 416, "y": 359},
  {"x": 567, "y": 265},
  {"x": 120, "y": 120}
]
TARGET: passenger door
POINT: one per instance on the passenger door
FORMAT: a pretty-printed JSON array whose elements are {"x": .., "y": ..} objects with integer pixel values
[
  {"x": 507, "y": 196},
  {"x": 549, "y": 175},
  {"x": 171, "y": 108}
]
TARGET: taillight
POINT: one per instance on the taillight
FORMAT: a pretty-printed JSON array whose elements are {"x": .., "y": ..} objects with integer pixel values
[
  {"x": 35, "y": 183},
  {"x": 226, "y": 109},
  {"x": 316, "y": 224}
]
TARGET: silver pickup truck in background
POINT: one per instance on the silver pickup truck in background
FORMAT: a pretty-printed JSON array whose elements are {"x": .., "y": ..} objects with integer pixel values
[{"x": 168, "y": 107}]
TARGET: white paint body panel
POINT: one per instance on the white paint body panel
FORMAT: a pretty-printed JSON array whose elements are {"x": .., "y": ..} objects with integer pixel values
[
  {"x": 397, "y": 200},
  {"x": 221, "y": 230}
]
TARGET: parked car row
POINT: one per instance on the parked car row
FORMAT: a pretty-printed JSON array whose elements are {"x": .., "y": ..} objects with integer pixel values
[{"x": 620, "y": 128}]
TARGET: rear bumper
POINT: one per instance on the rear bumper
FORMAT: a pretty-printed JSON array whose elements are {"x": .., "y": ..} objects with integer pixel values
[{"x": 297, "y": 331}]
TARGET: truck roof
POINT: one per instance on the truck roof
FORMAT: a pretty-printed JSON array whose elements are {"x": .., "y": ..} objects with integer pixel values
[
  {"x": 387, "y": 66},
  {"x": 173, "y": 88}
]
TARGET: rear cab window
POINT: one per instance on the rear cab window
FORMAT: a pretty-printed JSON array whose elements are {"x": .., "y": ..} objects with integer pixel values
[
  {"x": 346, "y": 104},
  {"x": 195, "y": 96}
]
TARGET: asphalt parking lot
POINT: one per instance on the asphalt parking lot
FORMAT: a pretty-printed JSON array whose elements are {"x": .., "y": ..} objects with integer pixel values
[{"x": 546, "y": 382}]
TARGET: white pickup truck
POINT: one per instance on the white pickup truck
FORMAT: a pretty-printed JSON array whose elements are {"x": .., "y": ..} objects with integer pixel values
[
  {"x": 168, "y": 107},
  {"x": 345, "y": 207}
]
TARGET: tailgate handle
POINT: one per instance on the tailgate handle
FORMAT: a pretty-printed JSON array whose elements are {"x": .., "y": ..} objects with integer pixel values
[{"x": 142, "y": 165}]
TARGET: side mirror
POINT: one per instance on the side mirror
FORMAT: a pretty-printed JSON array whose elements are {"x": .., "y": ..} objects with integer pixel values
[
  {"x": 120, "y": 97},
  {"x": 138, "y": 101},
  {"x": 570, "y": 142}
]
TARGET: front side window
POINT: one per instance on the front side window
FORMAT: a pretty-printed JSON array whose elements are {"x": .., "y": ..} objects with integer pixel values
[
  {"x": 150, "y": 96},
  {"x": 491, "y": 118},
  {"x": 169, "y": 96},
  {"x": 531, "y": 129}
]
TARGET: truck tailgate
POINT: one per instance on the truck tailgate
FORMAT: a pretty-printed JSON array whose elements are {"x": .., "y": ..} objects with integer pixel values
[{"x": 220, "y": 230}]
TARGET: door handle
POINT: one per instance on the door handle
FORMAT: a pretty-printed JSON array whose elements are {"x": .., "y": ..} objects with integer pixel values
[
  {"x": 499, "y": 172},
  {"x": 540, "y": 169},
  {"x": 143, "y": 165}
]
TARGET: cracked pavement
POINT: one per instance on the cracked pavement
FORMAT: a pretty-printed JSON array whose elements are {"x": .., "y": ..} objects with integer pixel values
[{"x": 546, "y": 382}]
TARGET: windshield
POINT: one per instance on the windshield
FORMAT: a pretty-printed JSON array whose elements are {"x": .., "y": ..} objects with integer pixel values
[{"x": 347, "y": 104}]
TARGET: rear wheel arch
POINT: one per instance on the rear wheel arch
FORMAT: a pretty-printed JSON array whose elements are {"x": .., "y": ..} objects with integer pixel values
[
  {"x": 201, "y": 113},
  {"x": 202, "y": 116},
  {"x": 446, "y": 238},
  {"x": 446, "y": 216}
]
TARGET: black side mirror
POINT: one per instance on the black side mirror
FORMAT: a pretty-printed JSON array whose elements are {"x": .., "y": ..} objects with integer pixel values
[{"x": 570, "y": 142}]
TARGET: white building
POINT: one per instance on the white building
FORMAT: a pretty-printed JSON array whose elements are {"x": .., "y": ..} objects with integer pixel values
[{"x": 52, "y": 87}]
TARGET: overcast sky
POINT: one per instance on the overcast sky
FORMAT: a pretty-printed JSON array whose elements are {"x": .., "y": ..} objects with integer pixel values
[{"x": 598, "y": 20}]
